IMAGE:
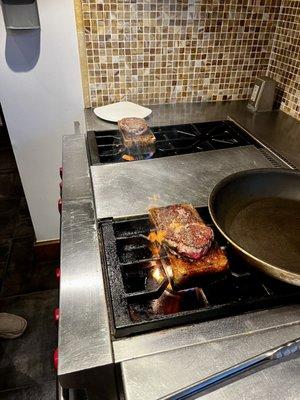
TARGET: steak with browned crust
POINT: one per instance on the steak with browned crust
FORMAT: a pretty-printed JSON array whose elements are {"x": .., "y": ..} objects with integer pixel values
[
  {"x": 186, "y": 272},
  {"x": 184, "y": 231},
  {"x": 135, "y": 132}
]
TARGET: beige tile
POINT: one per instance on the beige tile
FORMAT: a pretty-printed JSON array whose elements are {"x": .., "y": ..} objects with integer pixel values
[{"x": 185, "y": 51}]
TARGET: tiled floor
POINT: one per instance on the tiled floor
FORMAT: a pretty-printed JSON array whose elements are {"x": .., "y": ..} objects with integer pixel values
[
  {"x": 46, "y": 390},
  {"x": 27, "y": 288}
]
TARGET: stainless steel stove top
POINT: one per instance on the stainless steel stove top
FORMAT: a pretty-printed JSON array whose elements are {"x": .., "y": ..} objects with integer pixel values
[
  {"x": 128, "y": 189},
  {"x": 167, "y": 359}
]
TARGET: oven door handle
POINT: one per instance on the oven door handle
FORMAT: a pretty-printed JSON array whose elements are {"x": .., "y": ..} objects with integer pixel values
[{"x": 261, "y": 360}]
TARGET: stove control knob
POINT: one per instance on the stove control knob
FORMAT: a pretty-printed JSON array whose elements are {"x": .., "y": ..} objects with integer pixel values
[
  {"x": 59, "y": 205},
  {"x": 57, "y": 273},
  {"x": 55, "y": 358},
  {"x": 56, "y": 315},
  {"x": 61, "y": 172}
]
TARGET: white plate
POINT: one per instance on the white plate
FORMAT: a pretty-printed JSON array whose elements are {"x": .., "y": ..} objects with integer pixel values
[{"x": 123, "y": 109}]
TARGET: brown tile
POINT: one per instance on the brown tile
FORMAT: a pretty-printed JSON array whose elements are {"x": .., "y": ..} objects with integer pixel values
[{"x": 208, "y": 51}]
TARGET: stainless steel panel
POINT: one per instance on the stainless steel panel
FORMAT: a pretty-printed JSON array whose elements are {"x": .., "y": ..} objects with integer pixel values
[
  {"x": 166, "y": 372},
  {"x": 278, "y": 382},
  {"x": 84, "y": 329},
  {"x": 275, "y": 129},
  {"x": 84, "y": 336},
  {"x": 127, "y": 189},
  {"x": 204, "y": 332},
  {"x": 173, "y": 114},
  {"x": 270, "y": 357},
  {"x": 75, "y": 162}
]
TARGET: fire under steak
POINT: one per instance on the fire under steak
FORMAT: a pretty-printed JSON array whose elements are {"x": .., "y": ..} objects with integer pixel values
[
  {"x": 185, "y": 272},
  {"x": 184, "y": 232},
  {"x": 135, "y": 132}
]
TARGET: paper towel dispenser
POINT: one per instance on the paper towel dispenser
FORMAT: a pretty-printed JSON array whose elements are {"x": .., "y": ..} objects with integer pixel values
[{"x": 21, "y": 14}]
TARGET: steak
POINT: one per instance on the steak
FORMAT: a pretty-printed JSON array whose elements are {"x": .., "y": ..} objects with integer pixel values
[
  {"x": 188, "y": 273},
  {"x": 184, "y": 232},
  {"x": 135, "y": 132}
]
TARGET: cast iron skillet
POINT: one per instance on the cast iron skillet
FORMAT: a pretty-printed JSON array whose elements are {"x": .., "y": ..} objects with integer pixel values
[{"x": 258, "y": 212}]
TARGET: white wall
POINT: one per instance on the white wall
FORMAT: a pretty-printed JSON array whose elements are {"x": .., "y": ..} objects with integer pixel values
[{"x": 41, "y": 96}]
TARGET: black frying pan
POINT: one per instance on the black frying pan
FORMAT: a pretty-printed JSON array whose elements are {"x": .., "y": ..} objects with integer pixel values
[{"x": 258, "y": 212}]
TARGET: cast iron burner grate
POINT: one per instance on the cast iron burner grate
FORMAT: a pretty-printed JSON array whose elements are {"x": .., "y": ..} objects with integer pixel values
[
  {"x": 107, "y": 147},
  {"x": 139, "y": 303}
]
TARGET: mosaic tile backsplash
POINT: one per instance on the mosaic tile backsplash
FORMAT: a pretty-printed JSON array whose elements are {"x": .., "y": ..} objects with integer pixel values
[
  {"x": 163, "y": 51},
  {"x": 284, "y": 64}
]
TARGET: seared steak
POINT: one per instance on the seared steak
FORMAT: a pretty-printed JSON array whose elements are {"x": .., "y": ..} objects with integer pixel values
[
  {"x": 184, "y": 231},
  {"x": 186, "y": 272},
  {"x": 135, "y": 132}
]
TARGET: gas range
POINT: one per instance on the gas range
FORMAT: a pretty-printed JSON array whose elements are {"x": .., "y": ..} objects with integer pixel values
[
  {"x": 141, "y": 302},
  {"x": 94, "y": 353},
  {"x": 107, "y": 147},
  {"x": 138, "y": 301}
]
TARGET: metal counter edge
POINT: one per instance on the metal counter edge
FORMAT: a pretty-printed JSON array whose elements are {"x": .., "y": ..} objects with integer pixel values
[{"x": 84, "y": 345}]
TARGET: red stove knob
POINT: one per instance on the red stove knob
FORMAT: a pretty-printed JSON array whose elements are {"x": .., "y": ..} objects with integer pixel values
[
  {"x": 61, "y": 172},
  {"x": 55, "y": 358},
  {"x": 56, "y": 315},
  {"x": 57, "y": 273},
  {"x": 59, "y": 205}
]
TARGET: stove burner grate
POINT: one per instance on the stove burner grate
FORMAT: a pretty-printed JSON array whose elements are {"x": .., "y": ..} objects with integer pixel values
[
  {"x": 107, "y": 147},
  {"x": 140, "y": 303}
]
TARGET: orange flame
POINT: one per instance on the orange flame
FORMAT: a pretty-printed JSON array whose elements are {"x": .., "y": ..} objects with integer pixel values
[
  {"x": 155, "y": 249},
  {"x": 157, "y": 274},
  {"x": 157, "y": 237},
  {"x": 128, "y": 157}
]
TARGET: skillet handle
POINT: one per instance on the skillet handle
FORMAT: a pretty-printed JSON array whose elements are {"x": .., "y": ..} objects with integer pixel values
[{"x": 277, "y": 353}]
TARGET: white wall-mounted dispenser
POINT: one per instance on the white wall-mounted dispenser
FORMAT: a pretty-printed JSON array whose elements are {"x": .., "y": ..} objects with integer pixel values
[{"x": 20, "y": 14}]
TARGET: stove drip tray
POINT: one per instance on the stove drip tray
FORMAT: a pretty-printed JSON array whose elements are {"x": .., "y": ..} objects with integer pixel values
[
  {"x": 142, "y": 300},
  {"x": 107, "y": 147}
]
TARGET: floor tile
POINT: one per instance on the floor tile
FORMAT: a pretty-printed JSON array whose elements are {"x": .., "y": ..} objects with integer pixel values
[
  {"x": 4, "y": 139},
  {"x": 5, "y": 248},
  {"x": 8, "y": 216},
  {"x": 23, "y": 225},
  {"x": 45, "y": 391},
  {"x": 27, "y": 361},
  {"x": 2, "y": 274},
  {"x": 10, "y": 184},
  {"x": 26, "y": 369},
  {"x": 7, "y": 159},
  {"x": 23, "y": 274}
]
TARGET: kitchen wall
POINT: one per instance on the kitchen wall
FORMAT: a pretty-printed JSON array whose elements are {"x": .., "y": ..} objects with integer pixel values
[
  {"x": 158, "y": 51},
  {"x": 161, "y": 51},
  {"x": 41, "y": 96},
  {"x": 284, "y": 64}
]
